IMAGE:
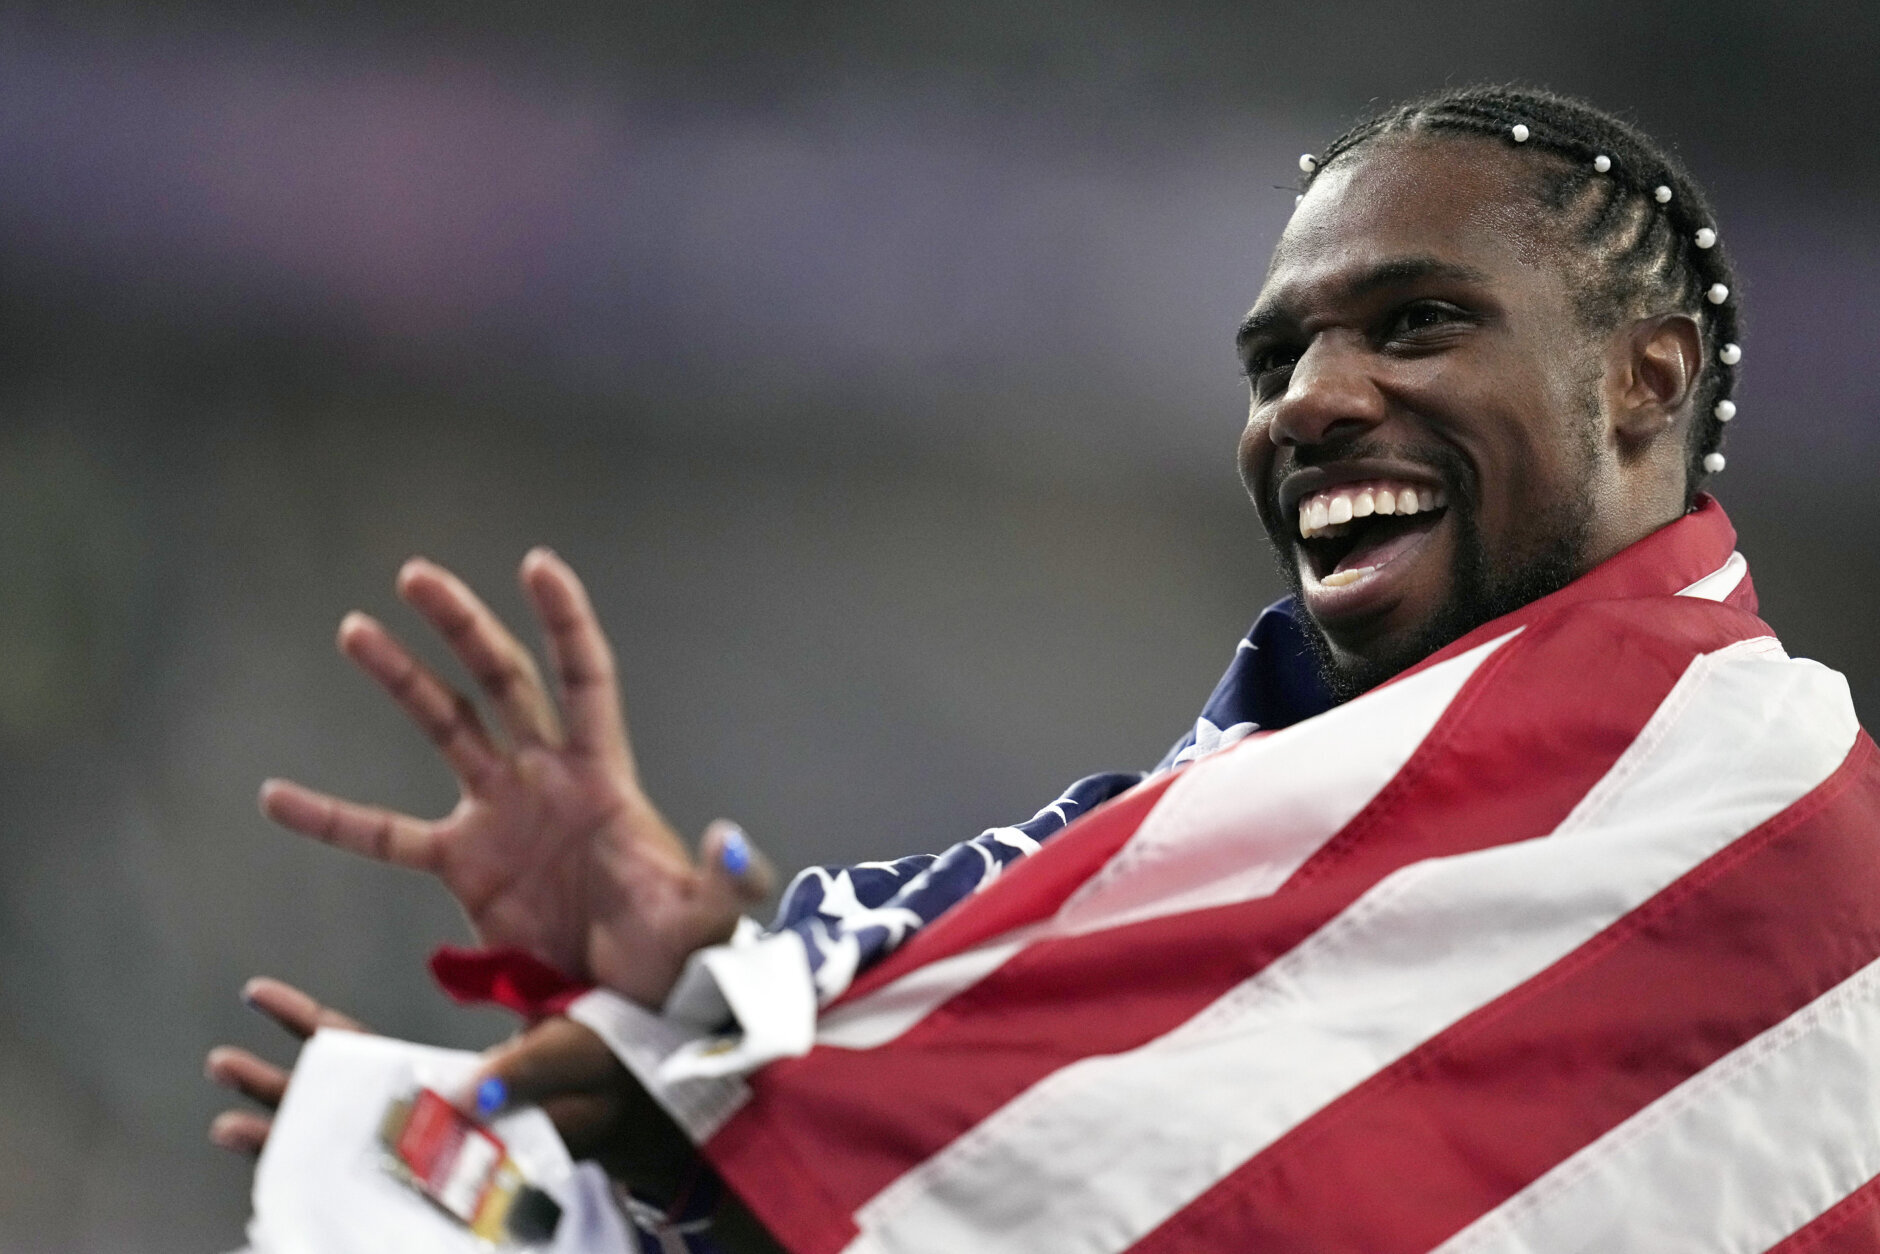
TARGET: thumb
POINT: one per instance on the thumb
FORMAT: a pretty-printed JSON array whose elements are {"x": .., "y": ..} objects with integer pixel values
[
  {"x": 733, "y": 865},
  {"x": 555, "y": 1058}
]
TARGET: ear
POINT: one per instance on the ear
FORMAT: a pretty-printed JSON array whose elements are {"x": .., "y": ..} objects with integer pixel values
[{"x": 1659, "y": 361}]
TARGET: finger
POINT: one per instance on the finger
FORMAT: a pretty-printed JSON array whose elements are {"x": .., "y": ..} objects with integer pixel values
[
  {"x": 578, "y": 650},
  {"x": 293, "y": 1009},
  {"x": 241, "y": 1131},
  {"x": 734, "y": 867},
  {"x": 446, "y": 716},
  {"x": 372, "y": 831},
  {"x": 246, "y": 1074},
  {"x": 494, "y": 658},
  {"x": 555, "y": 1058}
]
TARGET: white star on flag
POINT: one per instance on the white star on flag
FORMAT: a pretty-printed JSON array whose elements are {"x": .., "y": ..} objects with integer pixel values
[{"x": 1211, "y": 739}]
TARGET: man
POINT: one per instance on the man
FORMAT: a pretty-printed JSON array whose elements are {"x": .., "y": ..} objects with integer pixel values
[{"x": 1518, "y": 891}]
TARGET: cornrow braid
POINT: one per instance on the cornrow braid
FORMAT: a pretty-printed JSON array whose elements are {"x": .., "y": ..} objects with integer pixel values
[{"x": 1645, "y": 239}]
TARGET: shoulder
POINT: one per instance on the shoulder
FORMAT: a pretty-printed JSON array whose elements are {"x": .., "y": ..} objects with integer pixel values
[
  {"x": 1666, "y": 630},
  {"x": 1595, "y": 661},
  {"x": 1593, "y": 644}
]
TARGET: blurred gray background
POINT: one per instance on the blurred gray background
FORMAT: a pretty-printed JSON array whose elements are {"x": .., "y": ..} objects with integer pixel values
[{"x": 871, "y": 360}]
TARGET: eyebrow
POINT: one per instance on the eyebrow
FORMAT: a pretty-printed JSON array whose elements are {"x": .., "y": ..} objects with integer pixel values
[{"x": 1397, "y": 272}]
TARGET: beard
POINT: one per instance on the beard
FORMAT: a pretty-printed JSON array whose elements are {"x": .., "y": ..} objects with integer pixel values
[{"x": 1480, "y": 589}]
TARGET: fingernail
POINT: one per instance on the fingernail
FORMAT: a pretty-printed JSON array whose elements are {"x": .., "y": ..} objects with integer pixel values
[
  {"x": 492, "y": 1095},
  {"x": 735, "y": 852}
]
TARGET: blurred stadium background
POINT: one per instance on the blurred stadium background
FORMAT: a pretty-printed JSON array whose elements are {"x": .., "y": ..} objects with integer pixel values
[{"x": 871, "y": 360}]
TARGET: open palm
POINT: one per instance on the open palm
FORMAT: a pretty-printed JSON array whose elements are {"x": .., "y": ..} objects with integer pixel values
[{"x": 553, "y": 846}]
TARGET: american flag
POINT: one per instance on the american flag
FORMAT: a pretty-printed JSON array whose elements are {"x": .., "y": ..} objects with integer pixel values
[{"x": 1564, "y": 940}]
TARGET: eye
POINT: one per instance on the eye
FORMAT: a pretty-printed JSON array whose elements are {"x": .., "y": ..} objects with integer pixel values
[
  {"x": 1264, "y": 364},
  {"x": 1420, "y": 318}
]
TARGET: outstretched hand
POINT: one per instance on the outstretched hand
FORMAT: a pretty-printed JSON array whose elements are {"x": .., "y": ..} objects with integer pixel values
[{"x": 553, "y": 846}]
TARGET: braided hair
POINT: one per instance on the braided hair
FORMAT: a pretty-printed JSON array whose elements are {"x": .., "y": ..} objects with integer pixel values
[{"x": 1644, "y": 237}]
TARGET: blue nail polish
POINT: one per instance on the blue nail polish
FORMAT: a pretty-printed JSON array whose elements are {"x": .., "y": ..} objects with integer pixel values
[
  {"x": 492, "y": 1095},
  {"x": 735, "y": 853}
]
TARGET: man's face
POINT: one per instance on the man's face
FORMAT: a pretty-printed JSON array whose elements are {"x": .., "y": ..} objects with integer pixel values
[{"x": 1423, "y": 400}]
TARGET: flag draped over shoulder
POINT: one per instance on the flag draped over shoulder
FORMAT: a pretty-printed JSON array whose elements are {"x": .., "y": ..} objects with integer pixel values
[
  {"x": 848, "y": 918},
  {"x": 1565, "y": 939}
]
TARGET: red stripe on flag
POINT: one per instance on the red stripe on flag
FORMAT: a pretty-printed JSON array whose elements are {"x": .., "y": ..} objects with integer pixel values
[
  {"x": 1670, "y": 558},
  {"x": 1850, "y": 1226},
  {"x": 789, "y": 1198},
  {"x": 782, "y": 1177},
  {"x": 1522, "y": 742},
  {"x": 1743, "y": 596},
  {"x": 1459, "y": 1125},
  {"x": 1028, "y": 890}
]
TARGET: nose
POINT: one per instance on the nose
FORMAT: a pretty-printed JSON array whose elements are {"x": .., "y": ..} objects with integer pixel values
[{"x": 1330, "y": 394}]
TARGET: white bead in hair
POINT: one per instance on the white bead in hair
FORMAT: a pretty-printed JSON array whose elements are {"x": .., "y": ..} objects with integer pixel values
[
  {"x": 1308, "y": 162},
  {"x": 1705, "y": 237},
  {"x": 1520, "y": 132},
  {"x": 1717, "y": 294},
  {"x": 1730, "y": 354},
  {"x": 1725, "y": 410},
  {"x": 1602, "y": 163},
  {"x": 1713, "y": 462},
  {"x": 1661, "y": 194}
]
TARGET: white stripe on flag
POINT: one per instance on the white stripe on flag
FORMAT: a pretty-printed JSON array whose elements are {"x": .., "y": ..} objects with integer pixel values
[
  {"x": 1731, "y": 1161},
  {"x": 1102, "y": 1151},
  {"x": 1232, "y": 828},
  {"x": 1237, "y": 825},
  {"x": 893, "y": 1008},
  {"x": 1720, "y": 582}
]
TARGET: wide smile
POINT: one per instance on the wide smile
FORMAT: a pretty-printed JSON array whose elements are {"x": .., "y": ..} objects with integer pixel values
[{"x": 1359, "y": 541}]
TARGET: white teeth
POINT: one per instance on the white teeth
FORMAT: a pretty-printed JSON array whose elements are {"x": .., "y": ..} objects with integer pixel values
[
  {"x": 1326, "y": 511},
  {"x": 1339, "y": 578},
  {"x": 1317, "y": 515}
]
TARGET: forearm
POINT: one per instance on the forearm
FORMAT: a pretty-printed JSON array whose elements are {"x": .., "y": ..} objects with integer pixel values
[{"x": 659, "y": 1163}]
